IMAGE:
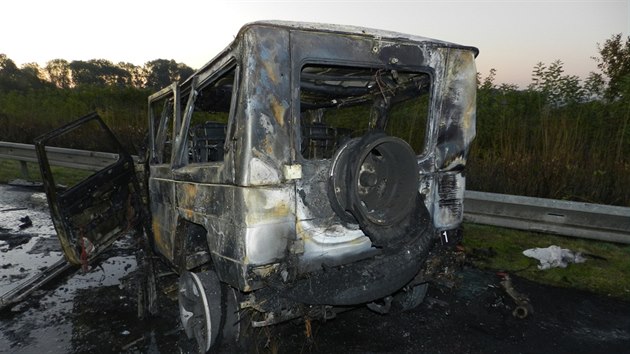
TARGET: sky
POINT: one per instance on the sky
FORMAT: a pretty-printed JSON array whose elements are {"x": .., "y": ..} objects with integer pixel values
[{"x": 512, "y": 36}]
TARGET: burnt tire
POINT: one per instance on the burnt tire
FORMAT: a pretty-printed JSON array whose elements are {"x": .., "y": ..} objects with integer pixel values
[
  {"x": 209, "y": 311},
  {"x": 409, "y": 299},
  {"x": 199, "y": 300},
  {"x": 236, "y": 335},
  {"x": 374, "y": 183}
]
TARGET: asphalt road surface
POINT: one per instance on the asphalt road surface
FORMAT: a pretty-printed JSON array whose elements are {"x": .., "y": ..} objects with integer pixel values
[{"x": 95, "y": 311}]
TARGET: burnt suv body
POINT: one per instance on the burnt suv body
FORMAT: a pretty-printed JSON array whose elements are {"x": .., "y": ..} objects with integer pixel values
[{"x": 305, "y": 167}]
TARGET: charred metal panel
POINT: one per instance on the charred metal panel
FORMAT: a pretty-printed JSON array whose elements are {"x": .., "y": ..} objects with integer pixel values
[
  {"x": 246, "y": 227},
  {"x": 364, "y": 280},
  {"x": 312, "y": 188},
  {"x": 330, "y": 244},
  {"x": 197, "y": 201},
  {"x": 455, "y": 132},
  {"x": 449, "y": 199},
  {"x": 458, "y": 94},
  {"x": 162, "y": 206},
  {"x": 269, "y": 217},
  {"x": 265, "y": 144},
  {"x": 321, "y": 237},
  {"x": 265, "y": 229},
  {"x": 207, "y": 173},
  {"x": 359, "y": 32}
]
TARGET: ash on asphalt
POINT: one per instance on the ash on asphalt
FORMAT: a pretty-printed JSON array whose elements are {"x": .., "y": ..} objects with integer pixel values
[{"x": 96, "y": 312}]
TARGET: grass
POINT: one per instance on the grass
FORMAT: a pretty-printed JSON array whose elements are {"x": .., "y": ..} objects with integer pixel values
[
  {"x": 10, "y": 170},
  {"x": 576, "y": 152},
  {"x": 606, "y": 270}
]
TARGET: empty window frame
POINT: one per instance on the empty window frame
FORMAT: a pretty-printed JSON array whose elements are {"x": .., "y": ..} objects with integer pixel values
[
  {"x": 338, "y": 103},
  {"x": 209, "y": 118},
  {"x": 162, "y": 114}
]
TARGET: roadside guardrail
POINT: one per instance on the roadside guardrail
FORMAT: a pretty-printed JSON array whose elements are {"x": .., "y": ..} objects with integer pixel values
[
  {"x": 584, "y": 220},
  {"x": 80, "y": 159}
]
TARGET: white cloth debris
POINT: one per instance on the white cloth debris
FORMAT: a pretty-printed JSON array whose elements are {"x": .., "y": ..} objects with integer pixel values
[{"x": 554, "y": 256}]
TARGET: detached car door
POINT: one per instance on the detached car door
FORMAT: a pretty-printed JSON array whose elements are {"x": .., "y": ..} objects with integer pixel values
[{"x": 94, "y": 211}]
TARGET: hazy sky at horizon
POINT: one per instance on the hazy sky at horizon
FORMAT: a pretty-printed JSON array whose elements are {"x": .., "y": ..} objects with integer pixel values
[{"x": 512, "y": 36}]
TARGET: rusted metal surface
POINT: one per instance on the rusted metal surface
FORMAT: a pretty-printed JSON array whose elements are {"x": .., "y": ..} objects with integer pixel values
[{"x": 311, "y": 164}]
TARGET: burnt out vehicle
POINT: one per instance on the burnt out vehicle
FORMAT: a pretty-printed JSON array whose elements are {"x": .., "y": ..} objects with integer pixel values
[{"x": 305, "y": 169}]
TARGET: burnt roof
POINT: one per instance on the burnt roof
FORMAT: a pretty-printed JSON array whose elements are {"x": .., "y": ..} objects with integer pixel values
[{"x": 353, "y": 30}]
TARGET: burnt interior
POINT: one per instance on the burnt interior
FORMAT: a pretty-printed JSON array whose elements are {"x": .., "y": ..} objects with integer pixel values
[
  {"x": 207, "y": 142},
  {"x": 209, "y": 119},
  {"x": 338, "y": 103}
]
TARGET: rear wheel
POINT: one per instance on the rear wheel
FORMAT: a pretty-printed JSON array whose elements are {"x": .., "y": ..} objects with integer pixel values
[
  {"x": 209, "y": 311},
  {"x": 200, "y": 307}
]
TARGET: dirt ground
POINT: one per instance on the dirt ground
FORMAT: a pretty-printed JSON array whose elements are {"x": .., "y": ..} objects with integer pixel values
[{"x": 95, "y": 311}]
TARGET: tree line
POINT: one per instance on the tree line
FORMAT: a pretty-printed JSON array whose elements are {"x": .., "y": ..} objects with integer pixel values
[
  {"x": 62, "y": 74},
  {"x": 35, "y": 99}
]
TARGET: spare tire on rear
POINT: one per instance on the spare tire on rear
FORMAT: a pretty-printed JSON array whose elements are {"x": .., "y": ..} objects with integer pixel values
[{"x": 374, "y": 183}]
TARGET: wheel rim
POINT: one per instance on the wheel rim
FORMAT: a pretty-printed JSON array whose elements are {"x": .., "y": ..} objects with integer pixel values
[
  {"x": 198, "y": 302},
  {"x": 385, "y": 181},
  {"x": 338, "y": 184}
]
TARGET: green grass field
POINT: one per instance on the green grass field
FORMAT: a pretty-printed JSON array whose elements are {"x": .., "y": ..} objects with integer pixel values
[{"x": 606, "y": 270}]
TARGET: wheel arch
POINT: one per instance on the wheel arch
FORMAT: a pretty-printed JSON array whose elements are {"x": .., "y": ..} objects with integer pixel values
[{"x": 191, "y": 248}]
